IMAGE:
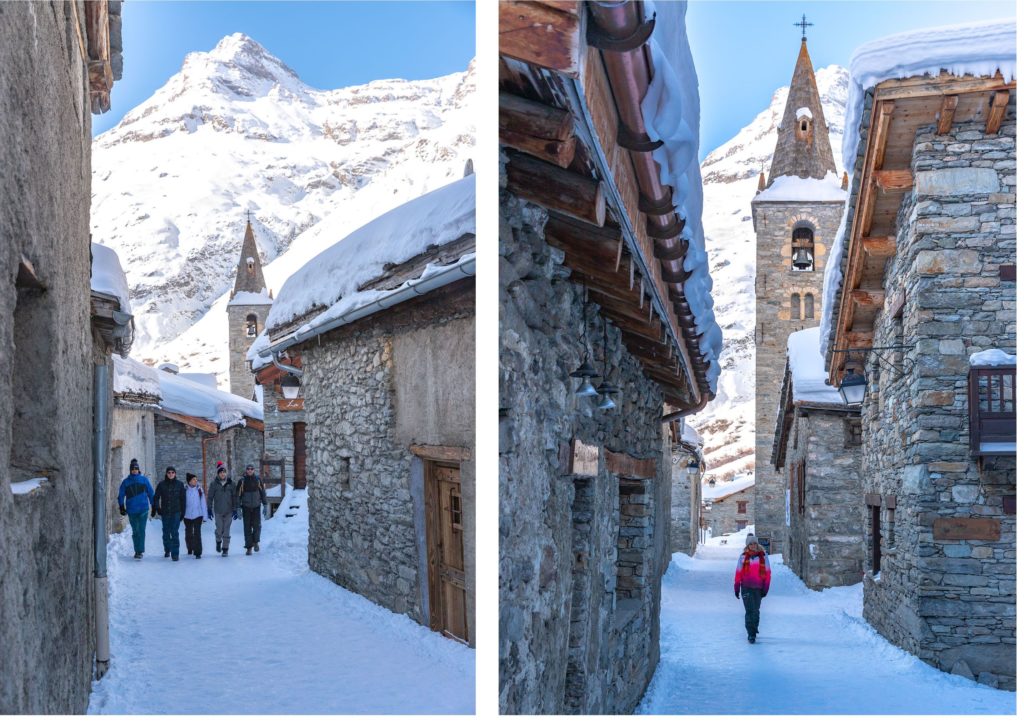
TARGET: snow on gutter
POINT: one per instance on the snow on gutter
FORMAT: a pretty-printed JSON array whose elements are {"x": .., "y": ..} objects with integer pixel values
[{"x": 465, "y": 268}]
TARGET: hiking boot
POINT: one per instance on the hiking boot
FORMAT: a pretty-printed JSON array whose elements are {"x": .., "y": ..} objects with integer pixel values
[
  {"x": 224, "y": 552},
  {"x": 218, "y": 546},
  {"x": 138, "y": 555},
  {"x": 248, "y": 551},
  {"x": 750, "y": 639},
  {"x": 257, "y": 547},
  {"x": 199, "y": 555},
  {"x": 167, "y": 553},
  {"x": 174, "y": 558}
]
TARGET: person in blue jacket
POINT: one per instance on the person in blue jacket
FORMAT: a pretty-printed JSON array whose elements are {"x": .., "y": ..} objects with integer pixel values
[{"x": 134, "y": 499}]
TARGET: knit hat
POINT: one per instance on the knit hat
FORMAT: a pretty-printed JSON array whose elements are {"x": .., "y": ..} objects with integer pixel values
[
  {"x": 221, "y": 467},
  {"x": 134, "y": 465},
  {"x": 750, "y": 539},
  {"x": 189, "y": 476},
  {"x": 170, "y": 469}
]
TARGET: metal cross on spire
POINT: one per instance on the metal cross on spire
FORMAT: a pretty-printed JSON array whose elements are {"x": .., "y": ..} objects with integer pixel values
[
  {"x": 803, "y": 25},
  {"x": 248, "y": 218}
]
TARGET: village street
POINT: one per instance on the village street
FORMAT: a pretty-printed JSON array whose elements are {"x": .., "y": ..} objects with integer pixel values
[
  {"x": 263, "y": 634},
  {"x": 814, "y": 653}
]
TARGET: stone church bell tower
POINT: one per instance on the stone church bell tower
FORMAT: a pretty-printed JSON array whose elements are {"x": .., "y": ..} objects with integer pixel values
[
  {"x": 796, "y": 216},
  {"x": 247, "y": 313}
]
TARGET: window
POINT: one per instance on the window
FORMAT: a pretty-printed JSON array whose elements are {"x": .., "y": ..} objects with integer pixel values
[
  {"x": 992, "y": 409},
  {"x": 800, "y": 486},
  {"x": 344, "y": 465},
  {"x": 876, "y": 538},
  {"x": 803, "y": 126},
  {"x": 250, "y": 264},
  {"x": 852, "y": 432},
  {"x": 794, "y": 306},
  {"x": 251, "y": 326},
  {"x": 802, "y": 246},
  {"x": 808, "y": 306},
  {"x": 741, "y": 507},
  {"x": 455, "y": 507}
]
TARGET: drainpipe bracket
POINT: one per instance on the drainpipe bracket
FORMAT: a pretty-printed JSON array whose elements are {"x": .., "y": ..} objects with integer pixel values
[{"x": 602, "y": 41}]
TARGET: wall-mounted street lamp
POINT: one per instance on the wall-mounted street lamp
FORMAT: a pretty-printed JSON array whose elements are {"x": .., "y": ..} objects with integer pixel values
[
  {"x": 290, "y": 386},
  {"x": 853, "y": 386}
]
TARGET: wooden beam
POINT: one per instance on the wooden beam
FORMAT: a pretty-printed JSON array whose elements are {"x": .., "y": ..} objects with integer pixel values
[
  {"x": 997, "y": 111},
  {"x": 901, "y": 179},
  {"x": 256, "y": 424},
  {"x": 441, "y": 453},
  {"x": 531, "y": 118},
  {"x": 879, "y": 246},
  {"x": 538, "y": 34},
  {"x": 204, "y": 424},
  {"x": 560, "y": 153},
  {"x": 943, "y": 84},
  {"x": 556, "y": 188},
  {"x": 882, "y": 133},
  {"x": 625, "y": 465},
  {"x": 858, "y": 339},
  {"x": 946, "y": 113},
  {"x": 870, "y": 298}
]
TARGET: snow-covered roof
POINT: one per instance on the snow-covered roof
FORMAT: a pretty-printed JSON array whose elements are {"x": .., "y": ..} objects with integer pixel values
[
  {"x": 333, "y": 278},
  {"x": 993, "y": 358},
  {"x": 184, "y": 396},
  {"x": 691, "y": 437},
  {"x": 807, "y": 369},
  {"x": 794, "y": 188},
  {"x": 132, "y": 377},
  {"x": 978, "y": 49},
  {"x": 671, "y": 110},
  {"x": 724, "y": 489},
  {"x": 250, "y": 298},
  {"x": 207, "y": 379},
  {"x": 108, "y": 276},
  {"x": 804, "y": 112}
]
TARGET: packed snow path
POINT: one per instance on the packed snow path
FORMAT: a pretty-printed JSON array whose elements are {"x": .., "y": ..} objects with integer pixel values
[
  {"x": 814, "y": 653},
  {"x": 263, "y": 634}
]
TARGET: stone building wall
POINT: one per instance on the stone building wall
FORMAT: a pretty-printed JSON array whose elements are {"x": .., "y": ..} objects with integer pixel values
[
  {"x": 46, "y": 594},
  {"x": 775, "y": 283},
  {"x": 581, "y": 556},
  {"x": 239, "y": 374},
  {"x": 279, "y": 433},
  {"x": 180, "y": 446},
  {"x": 950, "y": 602},
  {"x": 724, "y": 517},
  {"x": 132, "y": 436},
  {"x": 686, "y": 503},
  {"x": 825, "y": 545},
  {"x": 373, "y": 389}
]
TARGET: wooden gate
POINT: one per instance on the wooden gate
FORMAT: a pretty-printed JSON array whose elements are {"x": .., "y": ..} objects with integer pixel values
[
  {"x": 447, "y": 571},
  {"x": 299, "y": 438}
]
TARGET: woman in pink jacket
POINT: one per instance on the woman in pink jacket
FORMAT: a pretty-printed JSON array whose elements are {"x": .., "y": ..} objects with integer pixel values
[{"x": 753, "y": 576}]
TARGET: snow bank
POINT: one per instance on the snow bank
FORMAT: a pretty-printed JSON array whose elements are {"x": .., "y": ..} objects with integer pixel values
[
  {"x": 245, "y": 298},
  {"x": 671, "y": 110},
  {"x": 978, "y": 49},
  {"x": 807, "y": 367},
  {"x": 993, "y": 358},
  {"x": 108, "y": 276},
  {"x": 184, "y": 396},
  {"x": 332, "y": 279},
  {"x": 134, "y": 377},
  {"x": 724, "y": 489},
  {"x": 794, "y": 188}
]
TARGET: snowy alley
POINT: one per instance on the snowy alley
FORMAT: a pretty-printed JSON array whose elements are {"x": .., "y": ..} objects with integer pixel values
[
  {"x": 263, "y": 634},
  {"x": 814, "y": 654}
]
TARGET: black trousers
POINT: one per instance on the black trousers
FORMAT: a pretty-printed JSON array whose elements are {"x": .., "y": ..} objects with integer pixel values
[
  {"x": 752, "y": 607},
  {"x": 252, "y": 520},
  {"x": 194, "y": 536}
]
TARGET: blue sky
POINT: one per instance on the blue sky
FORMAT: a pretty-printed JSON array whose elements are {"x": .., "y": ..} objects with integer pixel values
[
  {"x": 743, "y": 51},
  {"x": 329, "y": 44}
]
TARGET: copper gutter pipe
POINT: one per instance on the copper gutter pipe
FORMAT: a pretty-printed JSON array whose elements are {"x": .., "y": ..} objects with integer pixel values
[{"x": 618, "y": 30}]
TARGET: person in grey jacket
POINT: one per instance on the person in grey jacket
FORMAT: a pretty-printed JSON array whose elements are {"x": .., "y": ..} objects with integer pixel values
[
  {"x": 252, "y": 497},
  {"x": 222, "y": 505}
]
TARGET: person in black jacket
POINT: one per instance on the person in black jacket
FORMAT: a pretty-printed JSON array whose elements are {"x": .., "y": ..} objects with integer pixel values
[
  {"x": 252, "y": 497},
  {"x": 169, "y": 503}
]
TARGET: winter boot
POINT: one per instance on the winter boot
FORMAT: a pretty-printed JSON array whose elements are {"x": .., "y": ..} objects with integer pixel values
[
  {"x": 750, "y": 639},
  {"x": 174, "y": 558},
  {"x": 218, "y": 545},
  {"x": 138, "y": 555},
  {"x": 224, "y": 552},
  {"x": 248, "y": 551},
  {"x": 167, "y": 553},
  {"x": 257, "y": 547},
  {"x": 199, "y": 555}
]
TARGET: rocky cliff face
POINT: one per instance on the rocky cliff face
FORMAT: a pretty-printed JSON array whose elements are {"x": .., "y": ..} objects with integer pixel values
[
  {"x": 237, "y": 130},
  {"x": 730, "y": 175}
]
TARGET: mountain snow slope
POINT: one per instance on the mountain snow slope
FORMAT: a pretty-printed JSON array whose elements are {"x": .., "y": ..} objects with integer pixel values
[
  {"x": 730, "y": 175},
  {"x": 235, "y": 130}
]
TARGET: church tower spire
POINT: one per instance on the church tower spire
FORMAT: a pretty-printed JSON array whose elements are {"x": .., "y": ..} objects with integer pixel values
[
  {"x": 247, "y": 312},
  {"x": 249, "y": 276},
  {"x": 802, "y": 148}
]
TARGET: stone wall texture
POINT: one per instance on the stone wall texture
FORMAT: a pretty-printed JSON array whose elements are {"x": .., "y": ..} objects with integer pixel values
[
  {"x": 825, "y": 542},
  {"x": 279, "y": 433},
  {"x": 46, "y": 593},
  {"x": 180, "y": 446},
  {"x": 775, "y": 284},
  {"x": 366, "y": 514},
  {"x": 239, "y": 374},
  {"x": 724, "y": 516},
  {"x": 950, "y": 602},
  {"x": 686, "y": 503},
  {"x": 132, "y": 436},
  {"x": 581, "y": 557}
]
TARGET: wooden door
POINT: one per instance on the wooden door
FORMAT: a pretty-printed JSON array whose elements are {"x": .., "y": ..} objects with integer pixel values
[
  {"x": 447, "y": 574},
  {"x": 299, "y": 437}
]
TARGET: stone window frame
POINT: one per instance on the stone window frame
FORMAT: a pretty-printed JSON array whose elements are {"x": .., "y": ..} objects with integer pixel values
[
  {"x": 796, "y": 243},
  {"x": 808, "y": 305},
  {"x": 741, "y": 507},
  {"x": 252, "y": 326},
  {"x": 795, "y": 307}
]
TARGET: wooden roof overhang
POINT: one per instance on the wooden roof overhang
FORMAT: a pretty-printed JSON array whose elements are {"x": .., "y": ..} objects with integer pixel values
[
  {"x": 115, "y": 327},
  {"x": 206, "y": 425},
  {"x": 900, "y": 108},
  {"x": 565, "y": 124}
]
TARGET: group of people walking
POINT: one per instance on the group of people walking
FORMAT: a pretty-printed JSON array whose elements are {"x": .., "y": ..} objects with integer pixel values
[{"x": 176, "y": 501}]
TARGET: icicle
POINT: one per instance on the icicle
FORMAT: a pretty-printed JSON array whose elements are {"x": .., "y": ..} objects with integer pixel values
[
  {"x": 631, "y": 274},
  {"x": 618, "y": 255},
  {"x": 641, "y": 292}
]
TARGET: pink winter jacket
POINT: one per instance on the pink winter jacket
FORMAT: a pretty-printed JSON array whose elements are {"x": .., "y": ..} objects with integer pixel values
[{"x": 753, "y": 571}]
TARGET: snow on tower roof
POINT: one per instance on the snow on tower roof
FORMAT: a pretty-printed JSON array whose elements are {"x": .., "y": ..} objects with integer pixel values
[
  {"x": 978, "y": 49},
  {"x": 331, "y": 281},
  {"x": 794, "y": 188},
  {"x": 189, "y": 398},
  {"x": 108, "y": 276},
  {"x": 993, "y": 358},
  {"x": 133, "y": 378},
  {"x": 251, "y": 298},
  {"x": 807, "y": 369},
  {"x": 671, "y": 110}
]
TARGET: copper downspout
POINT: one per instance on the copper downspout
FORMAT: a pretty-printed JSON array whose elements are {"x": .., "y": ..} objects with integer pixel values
[{"x": 616, "y": 27}]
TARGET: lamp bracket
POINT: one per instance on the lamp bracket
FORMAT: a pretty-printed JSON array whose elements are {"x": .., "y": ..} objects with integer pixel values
[{"x": 867, "y": 351}]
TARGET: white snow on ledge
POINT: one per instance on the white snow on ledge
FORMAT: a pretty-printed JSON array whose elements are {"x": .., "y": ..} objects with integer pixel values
[
  {"x": 108, "y": 276},
  {"x": 807, "y": 369},
  {"x": 978, "y": 49},
  {"x": 28, "y": 486},
  {"x": 691, "y": 437},
  {"x": 794, "y": 188},
  {"x": 251, "y": 298},
  {"x": 804, "y": 112},
  {"x": 134, "y": 377},
  {"x": 993, "y": 358}
]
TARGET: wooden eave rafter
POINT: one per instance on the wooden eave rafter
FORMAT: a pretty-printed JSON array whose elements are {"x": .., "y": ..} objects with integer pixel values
[
  {"x": 101, "y": 74},
  {"x": 197, "y": 422},
  {"x": 901, "y": 106},
  {"x": 271, "y": 374}
]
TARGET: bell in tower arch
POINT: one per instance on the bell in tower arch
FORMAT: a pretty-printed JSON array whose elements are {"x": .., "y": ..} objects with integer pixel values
[{"x": 802, "y": 260}]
